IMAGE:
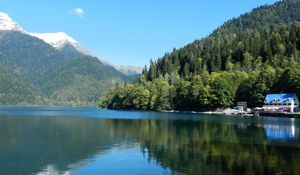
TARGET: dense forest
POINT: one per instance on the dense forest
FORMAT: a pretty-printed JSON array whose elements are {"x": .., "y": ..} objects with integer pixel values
[
  {"x": 243, "y": 60},
  {"x": 13, "y": 87}
]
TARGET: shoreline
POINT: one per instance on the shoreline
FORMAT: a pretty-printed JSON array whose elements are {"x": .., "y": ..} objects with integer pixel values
[
  {"x": 221, "y": 112},
  {"x": 244, "y": 113},
  {"x": 50, "y": 106}
]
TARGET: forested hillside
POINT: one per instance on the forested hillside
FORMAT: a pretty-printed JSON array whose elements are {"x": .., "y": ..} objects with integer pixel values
[
  {"x": 14, "y": 90},
  {"x": 244, "y": 59},
  {"x": 79, "y": 80},
  {"x": 34, "y": 72}
]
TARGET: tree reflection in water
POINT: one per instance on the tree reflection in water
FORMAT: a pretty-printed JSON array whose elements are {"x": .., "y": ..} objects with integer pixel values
[
  {"x": 199, "y": 147},
  {"x": 210, "y": 145}
]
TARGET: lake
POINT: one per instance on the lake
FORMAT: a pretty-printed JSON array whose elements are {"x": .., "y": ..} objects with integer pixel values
[{"x": 87, "y": 141}]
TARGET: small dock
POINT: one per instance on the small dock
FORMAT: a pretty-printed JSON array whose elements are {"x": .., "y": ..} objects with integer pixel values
[{"x": 279, "y": 114}]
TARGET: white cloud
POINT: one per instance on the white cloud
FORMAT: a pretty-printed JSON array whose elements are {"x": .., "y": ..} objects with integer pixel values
[{"x": 78, "y": 11}]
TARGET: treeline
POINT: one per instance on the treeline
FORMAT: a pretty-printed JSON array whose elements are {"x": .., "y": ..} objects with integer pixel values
[
  {"x": 248, "y": 50},
  {"x": 205, "y": 91},
  {"x": 243, "y": 60}
]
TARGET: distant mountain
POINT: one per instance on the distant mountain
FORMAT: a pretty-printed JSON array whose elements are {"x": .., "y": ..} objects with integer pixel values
[
  {"x": 72, "y": 48},
  {"x": 50, "y": 68},
  {"x": 129, "y": 70}
]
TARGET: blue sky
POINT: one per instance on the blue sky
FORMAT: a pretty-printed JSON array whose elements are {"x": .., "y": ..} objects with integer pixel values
[{"x": 129, "y": 32}]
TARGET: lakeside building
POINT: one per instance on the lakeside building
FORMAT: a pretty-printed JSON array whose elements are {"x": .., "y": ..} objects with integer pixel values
[{"x": 281, "y": 102}]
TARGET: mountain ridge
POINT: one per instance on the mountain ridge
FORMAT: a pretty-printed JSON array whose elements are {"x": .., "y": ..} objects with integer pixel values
[
  {"x": 60, "y": 39},
  {"x": 6, "y": 23},
  {"x": 52, "y": 75},
  {"x": 63, "y": 42}
]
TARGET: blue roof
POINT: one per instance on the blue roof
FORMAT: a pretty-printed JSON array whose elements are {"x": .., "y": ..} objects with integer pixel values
[{"x": 279, "y": 97}]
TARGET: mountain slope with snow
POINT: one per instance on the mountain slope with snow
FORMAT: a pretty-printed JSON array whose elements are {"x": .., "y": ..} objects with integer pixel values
[
  {"x": 51, "y": 65},
  {"x": 62, "y": 42},
  {"x": 57, "y": 40},
  {"x": 129, "y": 70},
  {"x": 6, "y": 23},
  {"x": 60, "y": 39}
]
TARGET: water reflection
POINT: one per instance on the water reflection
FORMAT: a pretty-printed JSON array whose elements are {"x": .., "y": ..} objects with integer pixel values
[
  {"x": 193, "y": 147},
  {"x": 64, "y": 145},
  {"x": 287, "y": 131},
  {"x": 51, "y": 170},
  {"x": 214, "y": 145},
  {"x": 28, "y": 145}
]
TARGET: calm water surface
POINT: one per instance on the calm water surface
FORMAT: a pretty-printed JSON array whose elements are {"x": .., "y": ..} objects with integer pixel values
[{"x": 87, "y": 141}]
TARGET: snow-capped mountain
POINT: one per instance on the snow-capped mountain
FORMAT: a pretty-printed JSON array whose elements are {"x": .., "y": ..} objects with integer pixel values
[
  {"x": 63, "y": 42},
  {"x": 125, "y": 69},
  {"x": 50, "y": 68},
  {"x": 128, "y": 70},
  {"x": 60, "y": 39},
  {"x": 57, "y": 40},
  {"x": 6, "y": 23}
]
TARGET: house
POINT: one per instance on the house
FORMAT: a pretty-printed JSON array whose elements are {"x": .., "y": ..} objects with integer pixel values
[{"x": 281, "y": 102}]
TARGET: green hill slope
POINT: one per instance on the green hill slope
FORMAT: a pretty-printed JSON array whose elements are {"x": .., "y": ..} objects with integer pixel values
[
  {"x": 81, "y": 80},
  {"x": 243, "y": 59},
  {"x": 59, "y": 76},
  {"x": 27, "y": 56},
  {"x": 14, "y": 90}
]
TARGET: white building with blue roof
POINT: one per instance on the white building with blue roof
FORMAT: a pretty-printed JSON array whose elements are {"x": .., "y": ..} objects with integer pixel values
[{"x": 281, "y": 102}]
